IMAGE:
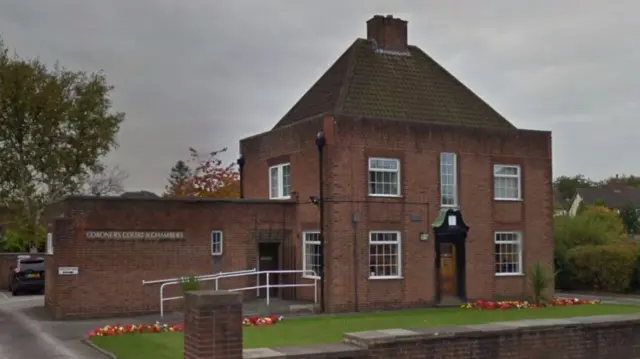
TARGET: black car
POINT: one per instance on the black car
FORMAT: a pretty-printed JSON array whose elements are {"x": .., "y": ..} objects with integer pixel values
[{"x": 27, "y": 276}]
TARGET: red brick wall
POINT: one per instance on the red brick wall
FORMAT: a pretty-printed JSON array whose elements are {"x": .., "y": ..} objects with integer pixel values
[
  {"x": 350, "y": 142},
  {"x": 418, "y": 147},
  {"x": 111, "y": 272},
  {"x": 294, "y": 144},
  {"x": 213, "y": 330}
]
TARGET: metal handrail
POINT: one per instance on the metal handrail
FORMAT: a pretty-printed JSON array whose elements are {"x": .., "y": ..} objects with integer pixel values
[
  {"x": 246, "y": 273},
  {"x": 199, "y": 277}
]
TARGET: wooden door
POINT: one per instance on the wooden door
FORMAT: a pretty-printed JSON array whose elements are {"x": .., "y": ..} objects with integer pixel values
[{"x": 447, "y": 269}]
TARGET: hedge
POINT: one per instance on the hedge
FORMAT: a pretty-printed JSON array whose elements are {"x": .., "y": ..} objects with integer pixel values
[{"x": 608, "y": 267}]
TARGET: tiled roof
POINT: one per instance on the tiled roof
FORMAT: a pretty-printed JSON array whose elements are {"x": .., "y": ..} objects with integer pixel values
[
  {"x": 611, "y": 197},
  {"x": 370, "y": 83}
]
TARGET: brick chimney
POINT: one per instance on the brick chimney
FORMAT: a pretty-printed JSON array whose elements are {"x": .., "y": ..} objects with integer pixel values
[{"x": 389, "y": 33}]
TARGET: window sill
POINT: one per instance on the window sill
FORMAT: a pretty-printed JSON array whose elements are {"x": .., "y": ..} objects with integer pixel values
[
  {"x": 280, "y": 198},
  {"x": 384, "y": 195},
  {"x": 509, "y": 274},
  {"x": 508, "y": 199},
  {"x": 452, "y": 206},
  {"x": 216, "y": 254},
  {"x": 387, "y": 278}
]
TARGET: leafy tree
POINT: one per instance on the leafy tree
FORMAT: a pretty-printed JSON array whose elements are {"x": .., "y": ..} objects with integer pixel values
[
  {"x": 624, "y": 180},
  {"x": 629, "y": 216},
  {"x": 55, "y": 126},
  {"x": 180, "y": 180},
  {"x": 105, "y": 181},
  {"x": 211, "y": 178},
  {"x": 567, "y": 185}
]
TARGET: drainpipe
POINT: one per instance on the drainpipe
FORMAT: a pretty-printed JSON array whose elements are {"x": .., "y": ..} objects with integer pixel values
[
  {"x": 320, "y": 143},
  {"x": 241, "y": 170}
]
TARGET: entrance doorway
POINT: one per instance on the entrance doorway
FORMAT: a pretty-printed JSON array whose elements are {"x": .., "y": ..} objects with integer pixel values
[
  {"x": 448, "y": 287},
  {"x": 268, "y": 260},
  {"x": 450, "y": 240}
]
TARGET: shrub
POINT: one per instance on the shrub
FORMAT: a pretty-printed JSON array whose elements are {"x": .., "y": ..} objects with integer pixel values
[
  {"x": 603, "y": 267},
  {"x": 540, "y": 280},
  {"x": 190, "y": 283},
  {"x": 594, "y": 225}
]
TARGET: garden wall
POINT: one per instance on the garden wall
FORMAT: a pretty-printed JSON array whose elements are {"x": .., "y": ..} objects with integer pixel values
[{"x": 213, "y": 330}]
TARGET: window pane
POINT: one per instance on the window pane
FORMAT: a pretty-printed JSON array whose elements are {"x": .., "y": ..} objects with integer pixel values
[
  {"x": 384, "y": 256},
  {"x": 506, "y": 170},
  {"x": 448, "y": 181},
  {"x": 384, "y": 182},
  {"x": 508, "y": 256},
  {"x": 274, "y": 182},
  {"x": 312, "y": 253},
  {"x": 286, "y": 181}
]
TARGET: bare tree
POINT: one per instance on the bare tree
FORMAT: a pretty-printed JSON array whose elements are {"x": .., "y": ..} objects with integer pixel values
[{"x": 107, "y": 181}]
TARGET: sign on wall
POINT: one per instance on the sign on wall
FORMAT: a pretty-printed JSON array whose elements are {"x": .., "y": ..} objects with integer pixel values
[
  {"x": 135, "y": 235},
  {"x": 68, "y": 271}
]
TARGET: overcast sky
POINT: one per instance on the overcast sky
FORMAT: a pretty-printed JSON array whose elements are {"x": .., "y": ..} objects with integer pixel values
[{"x": 206, "y": 73}]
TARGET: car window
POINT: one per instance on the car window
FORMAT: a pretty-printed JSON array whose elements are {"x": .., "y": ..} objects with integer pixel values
[{"x": 35, "y": 265}]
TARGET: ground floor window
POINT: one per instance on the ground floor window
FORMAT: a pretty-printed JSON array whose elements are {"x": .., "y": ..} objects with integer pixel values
[
  {"x": 311, "y": 253},
  {"x": 508, "y": 253},
  {"x": 216, "y": 243},
  {"x": 384, "y": 254}
]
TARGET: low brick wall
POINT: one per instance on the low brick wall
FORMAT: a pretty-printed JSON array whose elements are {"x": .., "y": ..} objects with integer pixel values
[
  {"x": 213, "y": 330},
  {"x": 601, "y": 337}
]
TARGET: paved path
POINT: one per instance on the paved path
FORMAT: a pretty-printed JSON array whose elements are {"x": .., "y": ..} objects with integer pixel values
[
  {"x": 22, "y": 336},
  {"x": 608, "y": 299}
]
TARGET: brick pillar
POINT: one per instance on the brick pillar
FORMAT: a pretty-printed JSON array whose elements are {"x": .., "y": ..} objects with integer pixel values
[{"x": 213, "y": 325}]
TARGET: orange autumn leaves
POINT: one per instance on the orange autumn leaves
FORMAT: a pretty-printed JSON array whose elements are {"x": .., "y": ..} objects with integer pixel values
[{"x": 207, "y": 176}]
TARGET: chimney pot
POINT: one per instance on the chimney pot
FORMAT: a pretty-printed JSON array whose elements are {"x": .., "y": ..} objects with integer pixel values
[{"x": 389, "y": 33}]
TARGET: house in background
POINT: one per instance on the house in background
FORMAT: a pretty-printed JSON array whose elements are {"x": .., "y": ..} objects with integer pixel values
[{"x": 613, "y": 197}]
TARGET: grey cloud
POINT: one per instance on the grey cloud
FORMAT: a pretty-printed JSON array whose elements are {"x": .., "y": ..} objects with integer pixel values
[{"x": 207, "y": 73}]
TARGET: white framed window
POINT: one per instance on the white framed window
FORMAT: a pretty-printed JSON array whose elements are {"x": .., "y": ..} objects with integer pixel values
[
  {"x": 384, "y": 177},
  {"x": 311, "y": 253},
  {"x": 216, "y": 243},
  {"x": 448, "y": 179},
  {"x": 385, "y": 259},
  {"x": 506, "y": 182},
  {"x": 280, "y": 181},
  {"x": 508, "y": 252}
]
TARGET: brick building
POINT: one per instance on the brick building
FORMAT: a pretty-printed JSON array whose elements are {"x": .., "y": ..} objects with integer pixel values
[{"x": 428, "y": 195}]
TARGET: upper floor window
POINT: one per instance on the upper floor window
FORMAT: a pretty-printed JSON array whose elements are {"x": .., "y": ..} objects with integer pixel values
[
  {"x": 448, "y": 180},
  {"x": 216, "y": 243},
  {"x": 506, "y": 182},
  {"x": 279, "y": 181},
  {"x": 384, "y": 177}
]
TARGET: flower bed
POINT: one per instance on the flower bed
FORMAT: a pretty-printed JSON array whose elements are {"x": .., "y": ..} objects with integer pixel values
[
  {"x": 515, "y": 304},
  {"x": 118, "y": 329}
]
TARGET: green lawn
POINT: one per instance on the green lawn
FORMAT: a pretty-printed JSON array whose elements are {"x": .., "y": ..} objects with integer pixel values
[{"x": 326, "y": 329}]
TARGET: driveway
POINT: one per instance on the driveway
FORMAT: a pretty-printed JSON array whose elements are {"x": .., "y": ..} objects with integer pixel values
[{"x": 23, "y": 336}]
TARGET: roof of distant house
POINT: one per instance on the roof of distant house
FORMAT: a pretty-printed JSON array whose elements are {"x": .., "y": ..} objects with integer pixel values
[
  {"x": 403, "y": 84},
  {"x": 616, "y": 197},
  {"x": 139, "y": 194}
]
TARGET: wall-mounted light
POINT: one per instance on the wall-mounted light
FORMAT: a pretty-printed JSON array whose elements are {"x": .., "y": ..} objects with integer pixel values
[{"x": 424, "y": 236}]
